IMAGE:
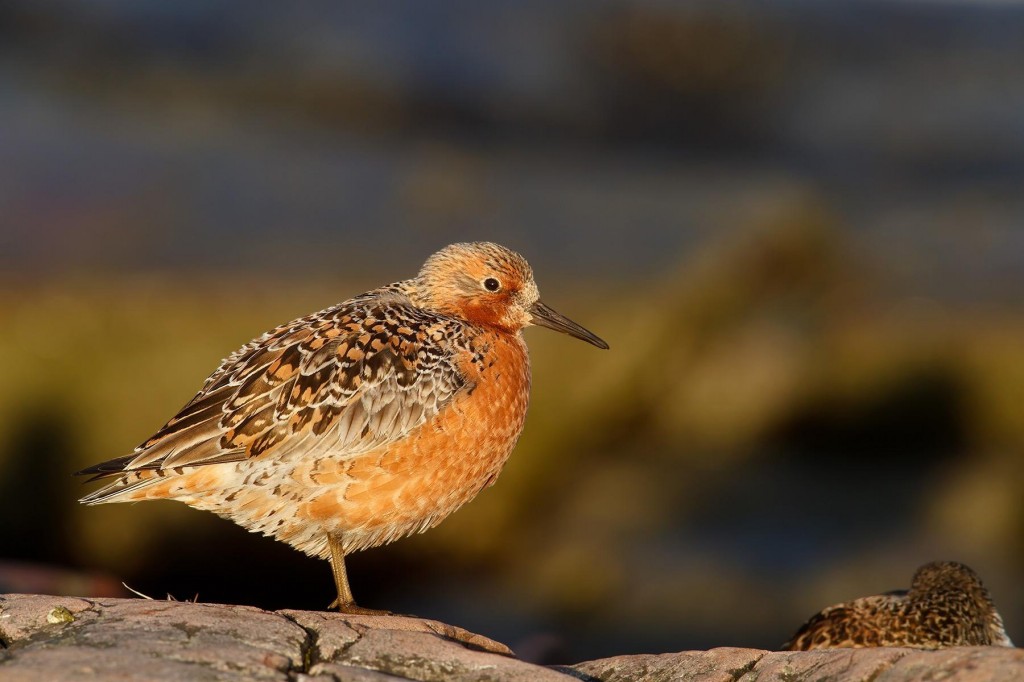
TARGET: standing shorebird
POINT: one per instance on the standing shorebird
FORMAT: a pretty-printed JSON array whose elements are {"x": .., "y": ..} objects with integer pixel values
[
  {"x": 946, "y": 606},
  {"x": 363, "y": 423}
]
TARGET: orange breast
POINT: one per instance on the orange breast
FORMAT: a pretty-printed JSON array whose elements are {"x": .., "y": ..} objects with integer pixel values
[{"x": 413, "y": 484}]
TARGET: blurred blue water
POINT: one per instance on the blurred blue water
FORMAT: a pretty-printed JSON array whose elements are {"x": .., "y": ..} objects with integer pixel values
[{"x": 902, "y": 118}]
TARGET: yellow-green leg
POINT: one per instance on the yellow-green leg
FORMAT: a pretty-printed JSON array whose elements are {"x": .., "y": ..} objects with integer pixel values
[{"x": 345, "y": 602}]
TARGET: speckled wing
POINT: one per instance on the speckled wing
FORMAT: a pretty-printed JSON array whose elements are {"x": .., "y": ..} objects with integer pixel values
[
  {"x": 355, "y": 376},
  {"x": 881, "y": 620},
  {"x": 824, "y": 630}
]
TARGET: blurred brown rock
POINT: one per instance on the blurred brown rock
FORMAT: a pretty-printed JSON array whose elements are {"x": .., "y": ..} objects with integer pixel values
[{"x": 63, "y": 638}]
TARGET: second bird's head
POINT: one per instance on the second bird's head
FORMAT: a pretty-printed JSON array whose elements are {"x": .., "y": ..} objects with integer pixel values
[{"x": 487, "y": 284}]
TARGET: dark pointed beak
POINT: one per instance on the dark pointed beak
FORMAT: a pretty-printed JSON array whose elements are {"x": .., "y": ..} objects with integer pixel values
[{"x": 544, "y": 316}]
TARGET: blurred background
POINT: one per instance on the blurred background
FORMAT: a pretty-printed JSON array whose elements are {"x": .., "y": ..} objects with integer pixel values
[{"x": 800, "y": 226}]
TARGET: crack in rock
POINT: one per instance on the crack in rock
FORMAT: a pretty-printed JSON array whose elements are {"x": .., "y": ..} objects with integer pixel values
[
  {"x": 884, "y": 666},
  {"x": 739, "y": 673},
  {"x": 308, "y": 647},
  {"x": 326, "y": 643},
  {"x": 574, "y": 673}
]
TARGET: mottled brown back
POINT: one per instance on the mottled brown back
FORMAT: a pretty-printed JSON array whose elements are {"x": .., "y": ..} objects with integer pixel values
[{"x": 947, "y": 605}]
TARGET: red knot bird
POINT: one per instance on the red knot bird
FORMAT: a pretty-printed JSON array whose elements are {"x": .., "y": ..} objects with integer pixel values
[
  {"x": 360, "y": 424},
  {"x": 946, "y": 606}
]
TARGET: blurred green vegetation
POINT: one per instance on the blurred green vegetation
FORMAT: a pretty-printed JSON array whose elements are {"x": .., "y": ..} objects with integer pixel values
[{"x": 765, "y": 387}]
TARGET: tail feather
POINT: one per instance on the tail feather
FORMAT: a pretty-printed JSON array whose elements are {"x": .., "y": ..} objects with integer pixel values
[
  {"x": 116, "y": 490},
  {"x": 111, "y": 467}
]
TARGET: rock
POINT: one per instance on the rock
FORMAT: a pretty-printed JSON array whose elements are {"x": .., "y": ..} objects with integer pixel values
[
  {"x": 724, "y": 664},
  {"x": 140, "y": 639},
  {"x": 962, "y": 664},
  {"x": 136, "y": 639},
  {"x": 64, "y": 638}
]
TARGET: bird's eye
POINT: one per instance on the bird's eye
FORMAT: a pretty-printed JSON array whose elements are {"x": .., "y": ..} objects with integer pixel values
[{"x": 492, "y": 284}]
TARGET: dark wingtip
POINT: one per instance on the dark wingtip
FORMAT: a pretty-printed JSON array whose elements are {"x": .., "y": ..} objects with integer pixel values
[{"x": 105, "y": 469}]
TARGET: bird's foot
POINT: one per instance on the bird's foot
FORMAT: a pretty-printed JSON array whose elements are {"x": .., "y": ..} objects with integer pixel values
[
  {"x": 354, "y": 609},
  {"x": 450, "y": 632}
]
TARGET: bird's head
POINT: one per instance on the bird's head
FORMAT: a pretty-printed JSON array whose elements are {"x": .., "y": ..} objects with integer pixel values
[{"x": 492, "y": 286}]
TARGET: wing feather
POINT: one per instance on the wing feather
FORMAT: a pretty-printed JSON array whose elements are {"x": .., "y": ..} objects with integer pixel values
[
  {"x": 822, "y": 630},
  {"x": 361, "y": 374}
]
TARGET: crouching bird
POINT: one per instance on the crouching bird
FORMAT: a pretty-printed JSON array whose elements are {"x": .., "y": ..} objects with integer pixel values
[
  {"x": 946, "y": 605},
  {"x": 360, "y": 424}
]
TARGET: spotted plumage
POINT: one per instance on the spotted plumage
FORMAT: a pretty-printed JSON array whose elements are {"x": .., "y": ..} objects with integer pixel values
[
  {"x": 362, "y": 423},
  {"x": 946, "y": 606}
]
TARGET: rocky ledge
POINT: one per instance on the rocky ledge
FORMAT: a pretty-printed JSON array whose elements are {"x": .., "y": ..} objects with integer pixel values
[{"x": 64, "y": 638}]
